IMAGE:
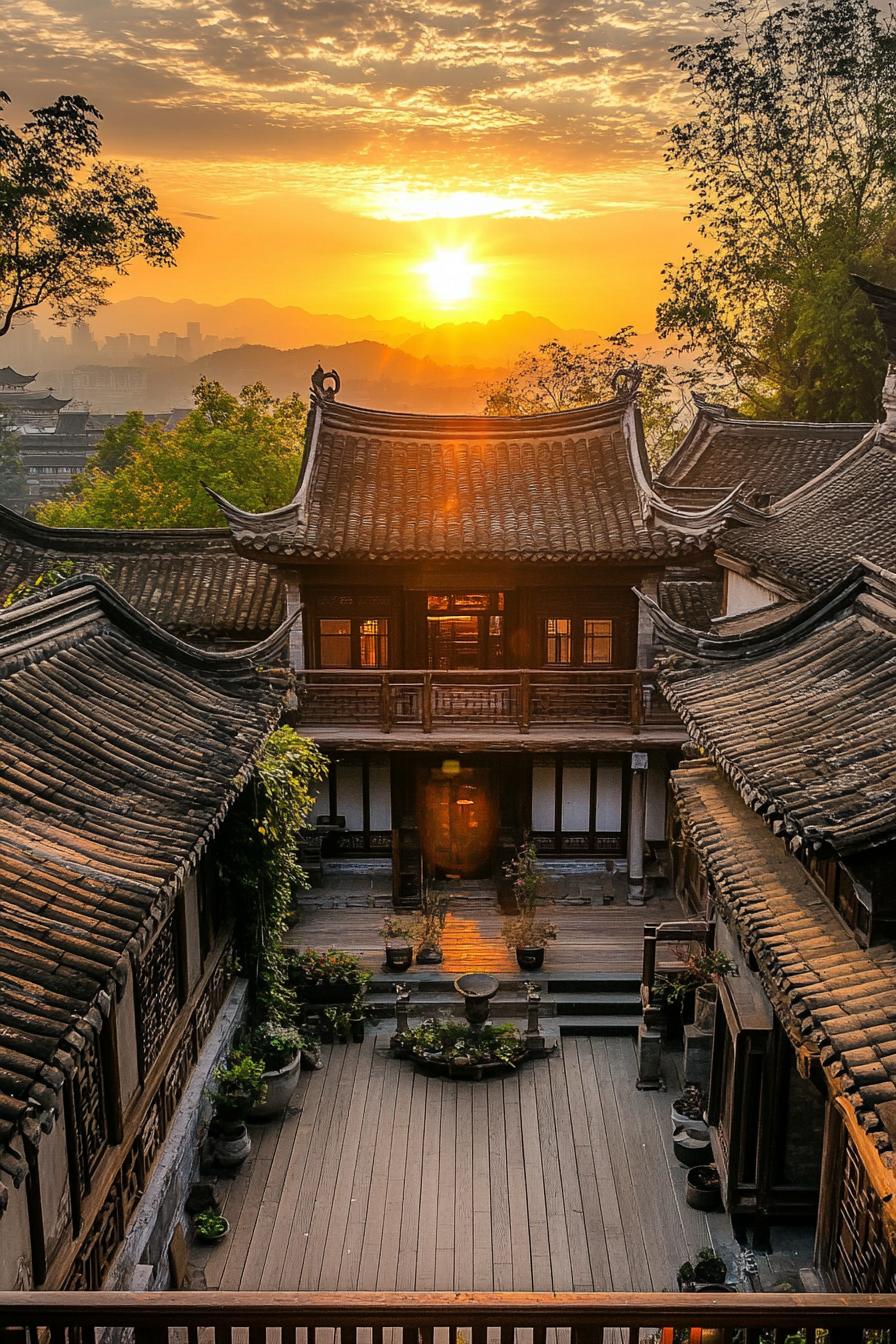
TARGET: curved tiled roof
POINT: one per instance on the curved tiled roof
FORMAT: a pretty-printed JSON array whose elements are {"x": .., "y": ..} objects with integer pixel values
[
  {"x": 191, "y": 581},
  {"x": 573, "y": 485},
  {"x": 812, "y": 536},
  {"x": 694, "y": 602},
  {"x": 121, "y": 750},
  {"x": 770, "y": 458},
  {"x": 800, "y": 714},
  {"x": 831, "y": 995},
  {"x": 10, "y": 378}
]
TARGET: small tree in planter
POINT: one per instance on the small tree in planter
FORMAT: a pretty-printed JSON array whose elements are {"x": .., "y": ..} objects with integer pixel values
[
  {"x": 430, "y": 927},
  {"x": 398, "y": 935},
  {"x": 326, "y": 977},
  {"x": 522, "y": 932},
  {"x": 238, "y": 1086},
  {"x": 700, "y": 977},
  {"x": 707, "y": 1273},
  {"x": 528, "y": 937}
]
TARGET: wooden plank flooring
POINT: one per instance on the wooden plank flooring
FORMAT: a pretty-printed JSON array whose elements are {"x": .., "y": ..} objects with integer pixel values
[
  {"x": 558, "y": 1177},
  {"x": 590, "y": 938}
]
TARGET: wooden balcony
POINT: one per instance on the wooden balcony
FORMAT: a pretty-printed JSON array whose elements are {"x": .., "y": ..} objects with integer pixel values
[
  {"x": 442, "y": 1318},
  {"x": 545, "y": 705}
]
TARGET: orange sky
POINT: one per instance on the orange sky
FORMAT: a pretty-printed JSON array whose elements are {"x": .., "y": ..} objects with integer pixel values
[{"x": 319, "y": 153}]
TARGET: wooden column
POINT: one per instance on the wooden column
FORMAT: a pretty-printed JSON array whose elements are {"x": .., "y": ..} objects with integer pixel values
[
  {"x": 636, "y": 811},
  {"x": 297, "y": 632}
]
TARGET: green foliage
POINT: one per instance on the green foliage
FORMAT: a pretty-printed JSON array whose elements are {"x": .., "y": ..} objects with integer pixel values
[
  {"x": 68, "y": 223},
  {"x": 259, "y": 860},
  {"x": 238, "y": 1085},
  {"x": 708, "y": 1268},
  {"x": 210, "y": 1225},
  {"x": 41, "y": 582},
  {"x": 248, "y": 448},
  {"x": 454, "y": 1041},
  {"x": 429, "y": 928},
  {"x": 703, "y": 968},
  {"x": 277, "y": 1044},
  {"x": 523, "y": 929},
  {"x": 555, "y": 378},
  {"x": 790, "y": 156},
  {"x": 395, "y": 930},
  {"x": 312, "y": 970}
]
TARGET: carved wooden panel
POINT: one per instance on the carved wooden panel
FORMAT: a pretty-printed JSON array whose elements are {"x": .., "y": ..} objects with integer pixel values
[
  {"x": 157, "y": 989},
  {"x": 862, "y": 1258},
  {"x": 91, "y": 1127}
]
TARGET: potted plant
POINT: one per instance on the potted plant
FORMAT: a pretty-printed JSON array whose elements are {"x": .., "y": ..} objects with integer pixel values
[
  {"x": 706, "y": 970},
  {"x": 528, "y": 937},
  {"x": 431, "y": 925},
  {"x": 704, "y": 1188},
  {"x": 280, "y": 1047},
  {"x": 522, "y": 932},
  {"x": 357, "y": 1015},
  {"x": 211, "y": 1226},
  {"x": 707, "y": 1273},
  {"x": 398, "y": 935},
  {"x": 326, "y": 977},
  {"x": 688, "y": 1109},
  {"x": 691, "y": 1146},
  {"x": 238, "y": 1085}
]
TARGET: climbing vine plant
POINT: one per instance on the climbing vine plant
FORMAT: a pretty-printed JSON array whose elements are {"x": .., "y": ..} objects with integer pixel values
[{"x": 260, "y": 860}]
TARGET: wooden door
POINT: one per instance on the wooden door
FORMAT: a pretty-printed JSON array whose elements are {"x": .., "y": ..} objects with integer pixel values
[{"x": 458, "y": 822}]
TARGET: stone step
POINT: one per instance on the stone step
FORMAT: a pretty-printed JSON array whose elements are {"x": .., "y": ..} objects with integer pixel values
[
  {"x": 591, "y": 1005},
  {"x": 599, "y": 1026},
  {"x": 565, "y": 1006}
]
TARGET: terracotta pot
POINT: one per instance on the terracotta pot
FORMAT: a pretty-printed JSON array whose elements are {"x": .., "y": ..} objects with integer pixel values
[
  {"x": 705, "y": 999},
  {"x": 708, "y": 1198},
  {"x": 281, "y": 1084},
  {"x": 530, "y": 958},
  {"x": 399, "y": 956}
]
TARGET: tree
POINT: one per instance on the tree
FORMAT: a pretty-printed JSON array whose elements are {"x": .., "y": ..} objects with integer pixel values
[
  {"x": 249, "y": 448},
  {"x": 791, "y": 160},
  {"x": 68, "y": 222},
  {"x": 556, "y": 378}
]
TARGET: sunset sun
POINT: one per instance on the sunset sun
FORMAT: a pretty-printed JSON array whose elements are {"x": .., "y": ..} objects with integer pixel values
[{"x": 450, "y": 276}]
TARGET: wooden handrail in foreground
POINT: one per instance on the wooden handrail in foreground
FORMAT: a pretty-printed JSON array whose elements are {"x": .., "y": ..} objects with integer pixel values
[{"x": 587, "y": 1314}]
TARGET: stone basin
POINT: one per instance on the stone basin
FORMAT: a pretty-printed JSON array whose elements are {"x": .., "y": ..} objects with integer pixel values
[{"x": 477, "y": 989}]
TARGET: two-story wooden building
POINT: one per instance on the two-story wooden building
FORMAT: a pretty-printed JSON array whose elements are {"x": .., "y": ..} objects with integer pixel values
[{"x": 469, "y": 650}]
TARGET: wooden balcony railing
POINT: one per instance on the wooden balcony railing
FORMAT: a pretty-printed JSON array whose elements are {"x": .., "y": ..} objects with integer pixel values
[
  {"x": 519, "y": 699},
  {"x": 445, "y": 1318}
]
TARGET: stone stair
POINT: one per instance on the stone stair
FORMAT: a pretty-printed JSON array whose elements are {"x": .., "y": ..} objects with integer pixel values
[{"x": 584, "y": 1004}]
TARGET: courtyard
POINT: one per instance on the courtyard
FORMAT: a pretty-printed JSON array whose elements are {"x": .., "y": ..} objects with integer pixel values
[{"x": 554, "y": 1178}]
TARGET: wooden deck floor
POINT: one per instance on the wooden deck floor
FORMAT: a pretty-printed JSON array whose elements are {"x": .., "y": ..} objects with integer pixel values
[
  {"x": 590, "y": 938},
  {"x": 559, "y": 1177}
]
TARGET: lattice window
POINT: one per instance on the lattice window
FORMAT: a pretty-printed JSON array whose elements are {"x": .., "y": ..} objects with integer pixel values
[
  {"x": 157, "y": 989},
  {"x": 862, "y": 1258},
  {"x": 91, "y": 1123}
]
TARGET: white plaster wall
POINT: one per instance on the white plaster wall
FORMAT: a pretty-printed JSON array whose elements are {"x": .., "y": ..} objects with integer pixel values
[
  {"x": 52, "y": 1159},
  {"x": 743, "y": 594},
  {"x": 380, "y": 797},
  {"x": 126, "y": 1031},
  {"x": 576, "y": 808},
  {"x": 655, "y": 810},
  {"x": 15, "y": 1241},
  {"x": 543, "y": 786},
  {"x": 609, "y": 798},
  {"x": 296, "y": 633},
  {"x": 350, "y": 795}
]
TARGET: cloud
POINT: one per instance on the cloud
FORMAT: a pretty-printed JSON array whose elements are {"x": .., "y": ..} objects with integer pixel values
[{"x": 545, "y": 101}]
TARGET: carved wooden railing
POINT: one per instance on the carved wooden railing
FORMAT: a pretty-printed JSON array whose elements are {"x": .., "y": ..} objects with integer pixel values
[
  {"x": 516, "y": 698},
  {"x": 443, "y": 1318}
]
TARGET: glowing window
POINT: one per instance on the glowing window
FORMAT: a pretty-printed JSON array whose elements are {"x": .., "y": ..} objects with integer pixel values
[
  {"x": 597, "y": 647},
  {"x": 374, "y": 642},
  {"x": 559, "y": 640},
  {"x": 335, "y": 643}
]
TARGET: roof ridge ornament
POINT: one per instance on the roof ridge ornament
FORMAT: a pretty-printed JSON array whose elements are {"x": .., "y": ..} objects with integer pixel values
[
  {"x": 626, "y": 380},
  {"x": 319, "y": 387}
]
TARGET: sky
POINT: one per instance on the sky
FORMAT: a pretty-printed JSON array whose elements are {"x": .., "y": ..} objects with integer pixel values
[{"x": 438, "y": 160}]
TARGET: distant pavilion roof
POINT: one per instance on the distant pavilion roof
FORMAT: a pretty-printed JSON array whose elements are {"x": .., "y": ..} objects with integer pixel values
[
  {"x": 188, "y": 580},
  {"x": 768, "y": 458},
  {"x": 800, "y": 714},
  {"x": 811, "y": 537},
  {"x": 568, "y": 486},
  {"x": 27, "y": 400},
  {"x": 121, "y": 751},
  {"x": 832, "y": 996},
  {"x": 9, "y": 378}
]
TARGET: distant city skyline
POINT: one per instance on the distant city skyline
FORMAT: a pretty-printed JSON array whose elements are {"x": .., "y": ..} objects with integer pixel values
[{"x": 428, "y": 161}]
